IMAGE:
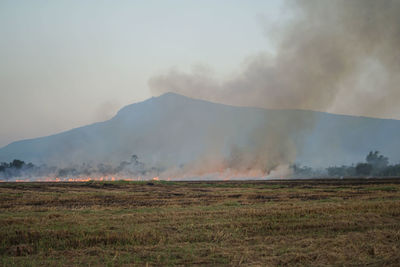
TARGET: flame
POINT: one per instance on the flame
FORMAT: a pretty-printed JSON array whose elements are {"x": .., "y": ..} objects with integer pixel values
[
  {"x": 77, "y": 179},
  {"x": 220, "y": 172}
]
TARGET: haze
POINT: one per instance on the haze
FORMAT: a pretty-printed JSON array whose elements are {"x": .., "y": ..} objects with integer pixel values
[{"x": 69, "y": 63}]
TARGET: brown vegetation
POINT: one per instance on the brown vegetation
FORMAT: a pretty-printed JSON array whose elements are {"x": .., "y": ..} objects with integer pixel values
[{"x": 294, "y": 222}]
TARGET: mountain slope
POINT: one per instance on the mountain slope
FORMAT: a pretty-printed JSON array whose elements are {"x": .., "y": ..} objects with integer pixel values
[{"x": 173, "y": 130}]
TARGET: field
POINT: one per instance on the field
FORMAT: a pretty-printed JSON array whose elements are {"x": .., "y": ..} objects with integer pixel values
[{"x": 257, "y": 223}]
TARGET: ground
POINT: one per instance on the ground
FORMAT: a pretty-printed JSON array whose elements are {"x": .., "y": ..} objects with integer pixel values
[{"x": 257, "y": 223}]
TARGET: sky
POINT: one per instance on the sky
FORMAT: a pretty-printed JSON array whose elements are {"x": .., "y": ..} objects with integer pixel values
[{"x": 66, "y": 64}]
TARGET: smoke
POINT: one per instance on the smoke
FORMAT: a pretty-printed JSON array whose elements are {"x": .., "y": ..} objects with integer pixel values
[
  {"x": 133, "y": 168},
  {"x": 328, "y": 50},
  {"x": 337, "y": 56},
  {"x": 106, "y": 110}
]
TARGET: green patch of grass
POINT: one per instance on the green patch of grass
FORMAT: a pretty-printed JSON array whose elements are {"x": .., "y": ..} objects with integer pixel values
[
  {"x": 382, "y": 188},
  {"x": 232, "y": 204}
]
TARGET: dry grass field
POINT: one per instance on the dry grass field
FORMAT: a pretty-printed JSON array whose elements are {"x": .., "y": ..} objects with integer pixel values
[{"x": 257, "y": 223}]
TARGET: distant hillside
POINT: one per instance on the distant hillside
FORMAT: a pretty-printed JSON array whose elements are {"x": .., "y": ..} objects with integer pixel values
[{"x": 173, "y": 130}]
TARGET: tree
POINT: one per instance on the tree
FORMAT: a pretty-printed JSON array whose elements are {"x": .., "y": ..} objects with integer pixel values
[
  {"x": 392, "y": 170},
  {"x": 3, "y": 166},
  {"x": 377, "y": 161},
  {"x": 364, "y": 169},
  {"x": 16, "y": 163},
  {"x": 304, "y": 171}
]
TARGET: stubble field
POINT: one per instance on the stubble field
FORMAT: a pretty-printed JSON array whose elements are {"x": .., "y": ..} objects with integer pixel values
[{"x": 257, "y": 223}]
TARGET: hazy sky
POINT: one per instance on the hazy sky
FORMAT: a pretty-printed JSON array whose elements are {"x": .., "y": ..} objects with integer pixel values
[{"x": 64, "y": 64}]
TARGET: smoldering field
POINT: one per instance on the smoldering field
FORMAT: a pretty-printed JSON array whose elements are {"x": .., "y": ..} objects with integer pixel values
[
  {"x": 334, "y": 56},
  {"x": 292, "y": 222}
]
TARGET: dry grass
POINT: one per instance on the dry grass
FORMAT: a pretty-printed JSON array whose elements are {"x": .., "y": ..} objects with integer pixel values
[{"x": 318, "y": 222}]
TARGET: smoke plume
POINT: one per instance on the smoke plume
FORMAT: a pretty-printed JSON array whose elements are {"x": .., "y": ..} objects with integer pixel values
[
  {"x": 337, "y": 56},
  {"x": 332, "y": 55}
]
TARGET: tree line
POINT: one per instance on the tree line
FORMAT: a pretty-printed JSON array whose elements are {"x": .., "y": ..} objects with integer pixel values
[
  {"x": 132, "y": 167},
  {"x": 375, "y": 165}
]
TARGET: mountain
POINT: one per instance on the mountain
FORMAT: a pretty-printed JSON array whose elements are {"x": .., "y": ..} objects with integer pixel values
[{"x": 173, "y": 130}]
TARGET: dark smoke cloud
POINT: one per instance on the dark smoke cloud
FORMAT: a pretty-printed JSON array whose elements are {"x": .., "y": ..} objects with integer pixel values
[{"x": 333, "y": 55}]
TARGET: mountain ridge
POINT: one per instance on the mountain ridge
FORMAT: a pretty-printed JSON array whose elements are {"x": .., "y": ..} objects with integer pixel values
[
  {"x": 172, "y": 125},
  {"x": 183, "y": 96}
]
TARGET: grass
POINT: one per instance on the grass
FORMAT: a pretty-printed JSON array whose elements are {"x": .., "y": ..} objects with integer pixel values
[{"x": 259, "y": 223}]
